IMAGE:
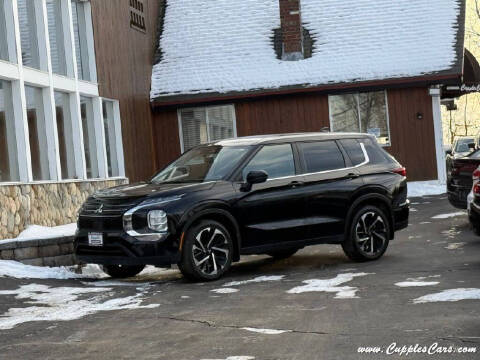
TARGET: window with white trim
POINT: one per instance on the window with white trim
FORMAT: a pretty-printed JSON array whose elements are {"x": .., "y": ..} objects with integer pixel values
[
  {"x": 111, "y": 127},
  {"x": 89, "y": 140},
  {"x": 205, "y": 124},
  {"x": 3, "y": 33},
  {"x": 65, "y": 134},
  {"x": 361, "y": 112},
  {"x": 55, "y": 35},
  {"x": 28, "y": 20},
  {"x": 82, "y": 50},
  {"x": 8, "y": 150}
]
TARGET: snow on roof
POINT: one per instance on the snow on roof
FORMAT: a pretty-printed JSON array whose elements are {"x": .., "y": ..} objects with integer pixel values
[{"x": 222, "y": 46}]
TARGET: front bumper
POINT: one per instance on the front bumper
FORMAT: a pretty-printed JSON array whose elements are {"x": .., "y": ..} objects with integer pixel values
[{"x": 121, "y": 249}]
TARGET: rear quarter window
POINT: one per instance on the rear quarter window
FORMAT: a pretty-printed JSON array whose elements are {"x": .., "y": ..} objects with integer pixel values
[
  {"x": 376, "y": 154},
  {"x": 321, "y": 156},
  {"x": 354, "y": 151}
]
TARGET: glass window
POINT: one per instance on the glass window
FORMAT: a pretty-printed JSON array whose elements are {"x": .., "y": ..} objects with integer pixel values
[
  {"x": 55, "y": 34},
  {"x": 321, "y": 156},
  {"x": 3, "y": 33},
  {"x": 276, "y": 160},
  {"x": 28, "y": 33},
  {"x": 364, "y": 112},
  {"x": 37, "y": 133},
  {"x": 110, "y": 138},
  {"x": 89, "y": 142},
  {"x": 376, "y": 154},
  {"x": 8, "y": 150},
  {"x": 80, "y": 35},
  {"x": 202, "y": 125},
  {"x": 204, "y": 163},
  {"x": 354, "y": 151},
  {"x": 65, "y": 134}
]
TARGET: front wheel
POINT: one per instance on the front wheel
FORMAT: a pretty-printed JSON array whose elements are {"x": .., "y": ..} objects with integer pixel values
[
  {"x": 368, "y": 236},
  {"x": 207, "y": 251},
  {"x": 122, "y": 271}
]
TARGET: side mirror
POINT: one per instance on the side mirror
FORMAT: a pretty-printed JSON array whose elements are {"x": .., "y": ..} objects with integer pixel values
[
  {"x": 254, "y": 177},
  {"x": 471, "y": 146},
  {"x": 448, "y": 152}
]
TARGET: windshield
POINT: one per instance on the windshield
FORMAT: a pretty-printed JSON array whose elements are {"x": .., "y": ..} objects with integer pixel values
[
  {"x": 462, "y": 144},
  {"x": 204, "y": 163}
]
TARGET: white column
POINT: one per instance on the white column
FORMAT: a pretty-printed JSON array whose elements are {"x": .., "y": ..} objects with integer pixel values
[{"x": 435, "y": 93}]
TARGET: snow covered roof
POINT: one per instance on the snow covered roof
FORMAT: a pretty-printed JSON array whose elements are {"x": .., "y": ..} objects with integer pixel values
[{"x": 220, "y": 47}]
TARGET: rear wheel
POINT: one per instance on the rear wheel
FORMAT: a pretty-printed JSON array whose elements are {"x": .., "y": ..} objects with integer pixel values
[
  {"x": 282, "y": 254},
  {"x": 368, "y": 236},
  {"x": 207, "y": 251},
  {"x": 122, "y": 271}
]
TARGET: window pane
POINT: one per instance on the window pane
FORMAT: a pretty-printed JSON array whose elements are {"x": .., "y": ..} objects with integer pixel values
[
  {"x": 276, "y": 160},
  {"x": 89, "y": 142},
  {"x": 373, "y": 115},
  {"x": 344, "y": 113},
  {"x": 3, "y": 33},
  {"x": 79, "y": 31},
  {"x": 322, "y": 156},
  {"x": 55, "y": 34},
  {"x": 37, "y": 133},
  {"x": 194, "y": 127},
  {"x": 28, "y": 33},
  {"x": 220, "y": 122},
  {"x": 110, "y": 138},
  {"x": 8, "y": 151},
  {"x": 354, "y": 151},
  {"x": 375, "y": 153},
  {"x": 65, "y": 134}
]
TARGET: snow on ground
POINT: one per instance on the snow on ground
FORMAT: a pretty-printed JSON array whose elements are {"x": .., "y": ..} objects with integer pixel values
[
  {"x": 35, "y": 232},
  {"x": 455, "y": 246},
  {"x": 450, "y": 295},
  {"x": 266, "y": 331},
  {"x": 255, "y": 280},
  {"x": 425, "y": 188},
  {"x": 235, "y": 358},
  {"x": 64, "y": 303},
  {"x": 413, "y": 283},
  {"x": 449, "y": 215},
  {"x": 331, "y": 285},
  {"x": 224, "y": 291},
  {"x": 14, "y": 269}
]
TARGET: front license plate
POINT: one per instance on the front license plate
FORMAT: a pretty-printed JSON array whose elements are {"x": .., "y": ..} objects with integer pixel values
[{"x": 95, "y": 239}]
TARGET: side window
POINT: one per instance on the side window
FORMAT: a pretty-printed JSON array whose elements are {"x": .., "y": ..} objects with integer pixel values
[
  {"x": 376, "y": 154},
  {"x": 354, "y": 151},
  {"x": 321, "y": 156},
  {"x": 276, "y": 160}
]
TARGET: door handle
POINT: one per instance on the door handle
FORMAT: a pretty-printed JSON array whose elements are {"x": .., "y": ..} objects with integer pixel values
[
  {"x": 352, "y": 176},
  {"x": 295, "y": 184}
]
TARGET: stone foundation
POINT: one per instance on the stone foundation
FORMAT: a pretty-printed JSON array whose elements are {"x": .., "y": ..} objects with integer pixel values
[{"x": 45, "y": 204}]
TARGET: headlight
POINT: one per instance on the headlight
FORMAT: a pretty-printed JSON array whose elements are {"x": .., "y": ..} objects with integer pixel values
[{"x": 157, "y": 220}]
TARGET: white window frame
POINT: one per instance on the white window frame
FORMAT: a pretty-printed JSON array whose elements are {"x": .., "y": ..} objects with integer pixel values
[
  {"x": 205, "y": 108},
  {"x": 19, "y": 76},
  {"x": 357, "y": 94}
]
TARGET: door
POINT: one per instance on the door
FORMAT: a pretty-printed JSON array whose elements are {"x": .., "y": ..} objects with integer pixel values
[
  {"x": 272, "y": 212},
  {"x": 329, "y": 181}
]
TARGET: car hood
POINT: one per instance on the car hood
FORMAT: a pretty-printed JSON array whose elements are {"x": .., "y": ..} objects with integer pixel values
[{"x": 150, "y": 190}]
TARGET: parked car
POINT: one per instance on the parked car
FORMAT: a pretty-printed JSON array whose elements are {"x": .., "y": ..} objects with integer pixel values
[
  {"x": 459, "y": 183},
  {"x": 473, "y": 201},
  {"x": 461, "y": 147},
  {"x": 270, "y": 195}
]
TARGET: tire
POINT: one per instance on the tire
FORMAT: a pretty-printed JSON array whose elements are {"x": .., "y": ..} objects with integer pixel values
[
  {"x": 369, "y": 226},
  {"x": 207, "y": 251},
  {"x": 122, "y": 271},
  {"x": 282, "y": 254}
]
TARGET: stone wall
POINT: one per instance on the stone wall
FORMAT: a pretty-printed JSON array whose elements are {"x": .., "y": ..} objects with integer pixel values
[{"x": 45, "y": 204}]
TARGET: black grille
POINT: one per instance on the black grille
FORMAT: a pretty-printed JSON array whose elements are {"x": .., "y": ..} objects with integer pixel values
[{"x": 106, "y": 208}]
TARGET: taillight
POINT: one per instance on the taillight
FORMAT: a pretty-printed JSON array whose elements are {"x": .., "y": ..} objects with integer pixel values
[
  {"x": 401, "y": 171},
  {"x": 476, "y": 189},
  {"x": 476, "y": 174}
]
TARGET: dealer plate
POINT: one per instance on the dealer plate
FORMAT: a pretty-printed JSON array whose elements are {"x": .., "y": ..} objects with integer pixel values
[{"x": 95, "y": 239}]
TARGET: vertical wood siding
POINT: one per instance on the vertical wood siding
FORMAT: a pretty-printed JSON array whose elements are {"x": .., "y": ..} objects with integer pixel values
[{"x": 124, "y": 64}]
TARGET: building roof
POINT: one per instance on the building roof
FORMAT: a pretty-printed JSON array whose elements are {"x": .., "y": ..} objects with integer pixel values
[{"x": 216, "y": 48}]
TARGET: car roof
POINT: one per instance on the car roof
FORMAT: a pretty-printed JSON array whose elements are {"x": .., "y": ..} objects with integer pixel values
[{"x": 282, "y": 138}]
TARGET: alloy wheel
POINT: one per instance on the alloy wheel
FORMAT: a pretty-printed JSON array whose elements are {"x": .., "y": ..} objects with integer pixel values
[
  {"x": 371, "y": 234},
  {"x": 210, "y": 250}
]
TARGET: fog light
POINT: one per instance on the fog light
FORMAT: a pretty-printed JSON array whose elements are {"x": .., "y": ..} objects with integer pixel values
[{"x": 157, "y": 220}]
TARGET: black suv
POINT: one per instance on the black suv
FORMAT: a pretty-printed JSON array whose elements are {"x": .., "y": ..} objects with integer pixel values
[{"x": 271, "y": 194}]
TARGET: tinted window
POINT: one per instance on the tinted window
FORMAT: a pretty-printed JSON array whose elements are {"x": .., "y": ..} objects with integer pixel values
[
  {"x": 354, "y": 151},
  {"x": 375, "y": 153},
  {"x": 321, "y": 156},
  {"x": 276, "y": 160}
]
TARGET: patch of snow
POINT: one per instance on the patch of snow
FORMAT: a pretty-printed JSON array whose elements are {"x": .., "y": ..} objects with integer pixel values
[
  {"x": 416, "y": 283},
  {"x": 15, "y": 269},
  {"x": 224, "y": 291},
  {"x": 255, "y": 280},
  {"x": 35, "y": 232},
  {"x": 105, "y": 283},
  {"x": 449, "y": 215},
  {"x": 185, "y": 297},
  {"x": 425, "y": 222},
  {"x": 266, "y": 331},
  {"x": 425, "y": 188},
  {"x": 235, "y": 358},
  {"x": 235, "y": 52},
  {"x": 455, "y": 246},
  {"x": 64, "y": 304},
  {"x": 331, "y": 285},
  {"x": 450, "y": 295}
]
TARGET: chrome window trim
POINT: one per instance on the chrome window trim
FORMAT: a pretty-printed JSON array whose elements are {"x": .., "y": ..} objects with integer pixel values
[{"x": 365, "y": 162}]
